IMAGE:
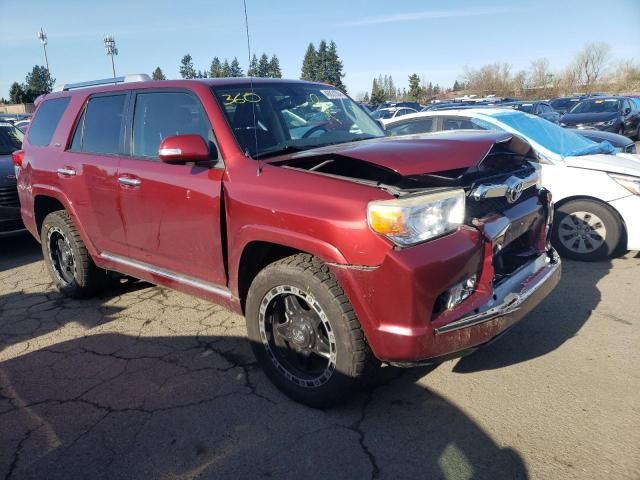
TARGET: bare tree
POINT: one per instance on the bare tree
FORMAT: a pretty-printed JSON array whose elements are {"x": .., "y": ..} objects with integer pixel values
[{"x": 591, "y": 64}]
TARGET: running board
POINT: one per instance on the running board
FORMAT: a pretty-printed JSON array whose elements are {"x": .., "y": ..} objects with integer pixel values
[{"x": 169, "y": 275}]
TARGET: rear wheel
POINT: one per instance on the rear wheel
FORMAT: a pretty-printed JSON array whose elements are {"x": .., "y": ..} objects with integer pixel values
[
  {"x": 586, "y": 230},
  {"x": 304, "y": 332},
  {"x": 70, "y": 266}
]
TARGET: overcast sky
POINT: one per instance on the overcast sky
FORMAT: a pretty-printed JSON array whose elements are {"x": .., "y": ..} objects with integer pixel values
[{"x": 435, "y": 39}]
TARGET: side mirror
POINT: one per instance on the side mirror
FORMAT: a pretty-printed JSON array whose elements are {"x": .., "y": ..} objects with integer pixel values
[
  {"x": 185, "y": 148},
  {"x": 627, "y": 111}
]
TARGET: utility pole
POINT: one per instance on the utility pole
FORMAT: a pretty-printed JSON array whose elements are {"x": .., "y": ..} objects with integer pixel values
[
  {"x": 43, "y": 40},
  {"x": 111, "y": 49}
]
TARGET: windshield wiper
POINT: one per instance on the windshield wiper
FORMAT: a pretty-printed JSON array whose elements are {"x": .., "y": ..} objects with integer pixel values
[{"x": 286, "y": 149}]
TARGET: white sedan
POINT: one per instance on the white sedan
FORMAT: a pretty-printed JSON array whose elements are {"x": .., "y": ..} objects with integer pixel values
[
  {"x": 596, "y": 189},
  {"x": 387, "y": 114}
]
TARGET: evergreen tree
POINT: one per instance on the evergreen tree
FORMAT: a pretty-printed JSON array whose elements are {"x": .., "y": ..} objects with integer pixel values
[
  {"x": 274, "y": 67},
  {"x": 39, "y": 81},
  {"x": 186, "y": 67},
  {"x": 253, "y": 67},
  {"x": 158, "y": 74},
  {"x": 333, "y": 68},
  {"x": 310, "y": 64},
  {"x": 365, "y": 99},
  {"x": 321, "y": 65},
  {"x": 226, "y": 68},
  {"x": 456, "y": 86},
  {"x": 436, "y": 89},
  {"x": 414, "y": 87},
  {"x": 215, "y": 70},
  {"x": 235, "y": 70},
  {"x": 263, "y": 66},
  {"x": 16, "y": 93},
  {"x": 377, "y": 93}
]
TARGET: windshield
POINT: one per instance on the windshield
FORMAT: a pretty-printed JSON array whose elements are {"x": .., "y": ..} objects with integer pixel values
[
  {"x": 278, "y": 117},
  {"x": 382, "y": 114},
  {"x": 551, "y": 136},
  {"x": 10, "y": 139},
  {"x": 563, "y": 103},
  {"x": 600, "y": 105}
]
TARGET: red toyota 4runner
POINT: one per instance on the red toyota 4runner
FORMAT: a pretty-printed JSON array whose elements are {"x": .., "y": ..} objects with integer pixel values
[{"x": 283, "y": 201}]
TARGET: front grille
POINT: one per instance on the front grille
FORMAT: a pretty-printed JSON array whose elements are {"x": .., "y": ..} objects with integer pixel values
[
  {"x": 488, "y": 206},
  {"x": 11, "y": 226},
  {"x": 9, "y": 196}
]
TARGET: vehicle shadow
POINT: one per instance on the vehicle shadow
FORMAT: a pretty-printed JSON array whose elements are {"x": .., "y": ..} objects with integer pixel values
[
  {"x": 557, "y": 319},
  {"x": 28, "y": 315},
  {"x": 18, "y": 250},
  {"x": 120, "y": 406}
]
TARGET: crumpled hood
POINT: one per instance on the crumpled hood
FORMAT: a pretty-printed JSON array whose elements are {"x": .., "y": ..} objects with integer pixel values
[
  {"x": 622, "y": 163},
  {"x": 415, "y": 154},
  {"x": 579, "y": 118}
]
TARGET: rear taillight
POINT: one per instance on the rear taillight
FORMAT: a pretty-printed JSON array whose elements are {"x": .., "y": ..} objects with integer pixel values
[{"x": 17, "y": 157}]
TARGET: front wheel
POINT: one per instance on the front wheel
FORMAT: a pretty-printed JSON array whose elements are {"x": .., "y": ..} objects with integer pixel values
[
  {"x": 586, "y": 230},
  {"x": 304, "y": 332}
]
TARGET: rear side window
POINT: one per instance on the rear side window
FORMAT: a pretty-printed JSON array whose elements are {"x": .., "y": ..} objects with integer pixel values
[
  {"x": 100, "y": 126},
  {"x": 46, "y": 121},
  {"x": 159, "y": 115},
  {"x": 409, "y": 128}
]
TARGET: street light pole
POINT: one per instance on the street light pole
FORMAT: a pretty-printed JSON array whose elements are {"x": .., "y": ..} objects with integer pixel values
[
  {"x": 43, "y": 40},
  {"x": 111, "y": 49}
]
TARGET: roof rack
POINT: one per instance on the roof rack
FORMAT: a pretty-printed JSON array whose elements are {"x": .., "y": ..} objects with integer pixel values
[{"x": 136, "y": 77}]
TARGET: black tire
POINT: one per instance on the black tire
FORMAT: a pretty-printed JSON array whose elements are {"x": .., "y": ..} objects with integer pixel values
[
  {"x": 79, "y": 277},
  {"x": 353, "y": 359},
  {"x": 597, "y": 243}
]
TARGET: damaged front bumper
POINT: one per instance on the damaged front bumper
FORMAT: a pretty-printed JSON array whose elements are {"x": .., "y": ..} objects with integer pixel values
[
  {"x": 398, "y": 303},
  {"x": 519, "y": 293}
]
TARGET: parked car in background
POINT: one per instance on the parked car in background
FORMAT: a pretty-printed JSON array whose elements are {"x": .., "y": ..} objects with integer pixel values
[
  {"x": 563, "y": 104},
  {"x": 341, "y": 247},
  {"x": 596, "y": 190},
  {"x": 385, "y": 114},
  {"x": 625, "y": 144},
  {"x": 536, "y": 107},
  {"x": 22, "y": 125},
  {"x": 10, "y": 220},
  {"x": 612, "y": 114}
]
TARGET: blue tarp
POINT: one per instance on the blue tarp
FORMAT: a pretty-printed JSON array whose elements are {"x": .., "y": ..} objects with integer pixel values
[{"x": 551, "y": 136}]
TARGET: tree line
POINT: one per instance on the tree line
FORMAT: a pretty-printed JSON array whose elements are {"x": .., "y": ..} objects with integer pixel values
[
  {"x": 591, "y": 69},
  {"x": 37, "y": 82}
]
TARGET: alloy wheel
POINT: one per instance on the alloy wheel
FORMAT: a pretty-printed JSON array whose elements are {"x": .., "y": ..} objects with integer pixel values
[
  {"x": 582, "y": 232},
  {"x": 297, "y": 336}
]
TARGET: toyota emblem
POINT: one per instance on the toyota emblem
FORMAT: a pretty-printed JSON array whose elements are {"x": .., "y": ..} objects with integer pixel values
[{"x": 514, "y": 192}]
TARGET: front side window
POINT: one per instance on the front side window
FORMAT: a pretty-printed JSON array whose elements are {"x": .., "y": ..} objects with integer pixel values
[
  {"x": 282, "y": 117},
  {"x": 46, "y": 121},
  {"x": 158, "y": 115},
  {"x": 102, "y": 124}
]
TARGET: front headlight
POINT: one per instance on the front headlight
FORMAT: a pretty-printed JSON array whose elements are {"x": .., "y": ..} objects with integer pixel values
[
  {"x": 411, "y": 220},
  {"x": 608, "y": 123},
  {"x": 627, "y": 181}
]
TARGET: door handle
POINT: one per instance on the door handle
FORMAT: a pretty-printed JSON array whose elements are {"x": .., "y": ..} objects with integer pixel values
[
  {"x": 67, "y": 172},
  {"x": 129, "y": 182}
]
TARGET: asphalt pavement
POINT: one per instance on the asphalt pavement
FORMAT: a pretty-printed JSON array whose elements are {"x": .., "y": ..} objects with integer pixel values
[{"x": 145, "y": 382}]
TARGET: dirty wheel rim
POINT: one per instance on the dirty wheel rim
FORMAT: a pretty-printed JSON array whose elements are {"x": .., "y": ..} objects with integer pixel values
[
  {"x": 582, "y": 232},
  {"x": 61, "y": 255},
  {"x": 297, "y": 336}
]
